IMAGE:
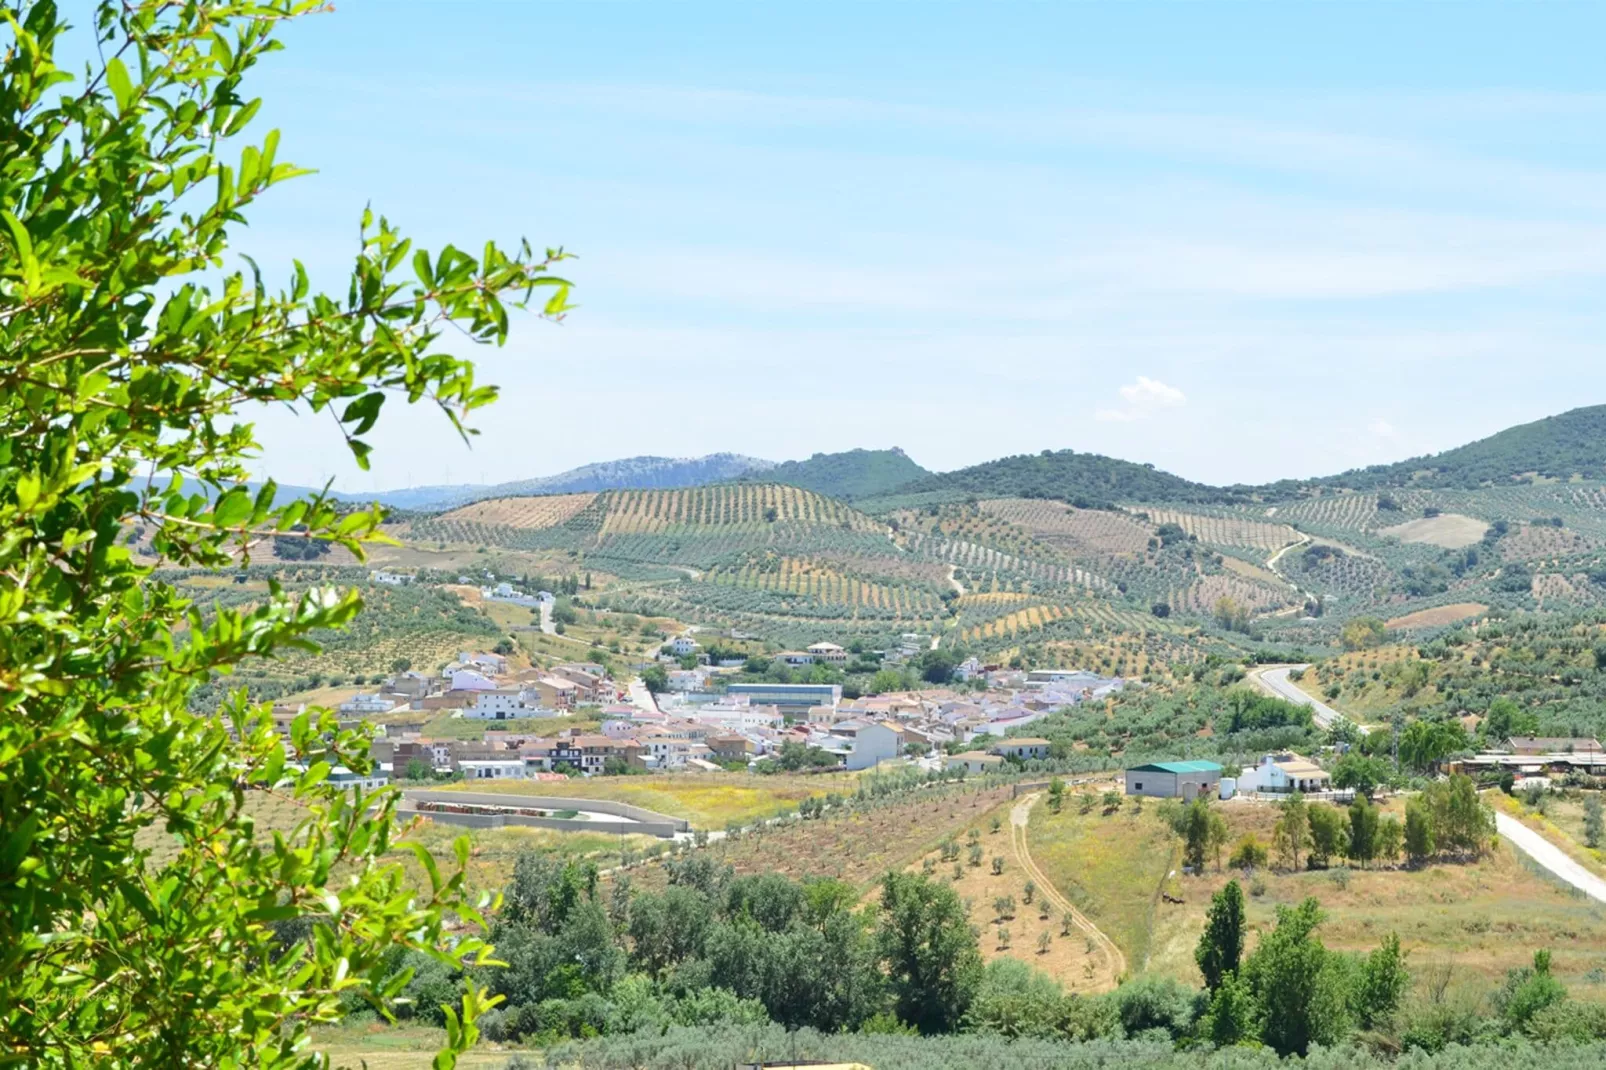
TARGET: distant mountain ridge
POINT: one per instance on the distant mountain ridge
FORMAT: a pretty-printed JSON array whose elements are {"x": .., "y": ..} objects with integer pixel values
[
  {"x": 849, "y": 475},
  {"x": 629, "y": 473},
  {"x": 1557, "y": 447}
]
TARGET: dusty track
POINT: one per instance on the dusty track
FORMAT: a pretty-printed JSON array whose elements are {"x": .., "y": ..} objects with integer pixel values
[{"x": 1115, "y": 960}]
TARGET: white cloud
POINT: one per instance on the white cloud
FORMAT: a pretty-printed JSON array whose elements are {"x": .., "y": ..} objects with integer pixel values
[
  {"x": 1142, "y": 398},
  {"x": 1382, "y": 428}
]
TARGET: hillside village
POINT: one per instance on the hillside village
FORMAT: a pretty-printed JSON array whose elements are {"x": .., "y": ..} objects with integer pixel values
[{"x": 701, "y": 722}]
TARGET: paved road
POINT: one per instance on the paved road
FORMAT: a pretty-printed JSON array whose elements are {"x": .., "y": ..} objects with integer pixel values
[
  {"x": 547, "y": 626},
  {"x": 1549, "y": 856},
  {"x": 1523, "y": 838},
  {"x": 640, "y": 697},
  {"x": 1277, "y": 682}
]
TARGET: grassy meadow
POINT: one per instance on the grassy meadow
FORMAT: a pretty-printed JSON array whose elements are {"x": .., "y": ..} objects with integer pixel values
[
  {"x": 1476, "y": 919},
  {"x": 707, "y": 800}
]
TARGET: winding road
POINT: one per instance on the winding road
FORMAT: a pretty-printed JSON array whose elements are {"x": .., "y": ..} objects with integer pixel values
[
  {"x": 1276, "y": 681},
  {"x": 1018, "y": 819},
  {"x": 1545, "y": 854}
]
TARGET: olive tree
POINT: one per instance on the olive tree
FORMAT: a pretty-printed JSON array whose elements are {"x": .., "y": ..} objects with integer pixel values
[{"x": 131, "y": 348}]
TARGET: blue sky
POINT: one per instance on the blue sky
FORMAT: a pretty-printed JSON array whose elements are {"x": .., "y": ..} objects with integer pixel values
[{"x": 1240, "y": 241}]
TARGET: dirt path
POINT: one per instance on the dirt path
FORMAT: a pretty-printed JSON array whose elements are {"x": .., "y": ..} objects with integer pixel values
[{"x": 1018, "y": 819}]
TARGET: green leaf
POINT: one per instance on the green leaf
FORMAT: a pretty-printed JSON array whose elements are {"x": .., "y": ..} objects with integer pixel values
[
  {"x": 27, "y": 490},
  {"x": 233, "y": 509},
  {"x": 119, "y": 83},
  {"x": 427, "y": 860},
  {"x": 364, "y": 412}
]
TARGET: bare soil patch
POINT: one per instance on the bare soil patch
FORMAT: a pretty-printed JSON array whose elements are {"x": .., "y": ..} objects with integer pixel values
[
  {"x": 1449, "y": 530},
  {"x": 1432, "y": 618}
]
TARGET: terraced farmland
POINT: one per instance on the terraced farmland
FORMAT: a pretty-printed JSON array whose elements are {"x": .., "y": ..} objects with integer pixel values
[
  {"x": 977, "y": 559},
  {"x": 742, "y": 505},
  {"x": 1060, "y": 619},
  {"x": 1079, "y": 532},
  {"x": 1201, "y": 596},
  {"x": 529, "y": 514},
  {"x": 1227, "y": 530},
  {"x": 1536, "y": 542},
  {"x": 850, "y": 595},
  {"x": 1328, "y": 513}
]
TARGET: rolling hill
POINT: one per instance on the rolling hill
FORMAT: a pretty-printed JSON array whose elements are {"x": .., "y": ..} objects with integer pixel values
[
  {"x": 851, "y": 475},
  {"x": 1084, "y": 479},
  {"x": 1558, "y": 447}
]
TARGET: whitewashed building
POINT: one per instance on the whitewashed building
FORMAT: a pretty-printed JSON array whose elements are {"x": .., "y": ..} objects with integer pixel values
[
  {"x": 361, "y": 703},
  {"x": 492, "y": 768}
]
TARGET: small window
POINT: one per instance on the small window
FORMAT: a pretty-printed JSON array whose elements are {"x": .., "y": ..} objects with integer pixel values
[{"x": 1137, "y": 787}]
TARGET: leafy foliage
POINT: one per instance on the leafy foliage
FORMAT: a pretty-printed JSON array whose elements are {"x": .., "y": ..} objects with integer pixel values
[{"x": 122, "y": 373}]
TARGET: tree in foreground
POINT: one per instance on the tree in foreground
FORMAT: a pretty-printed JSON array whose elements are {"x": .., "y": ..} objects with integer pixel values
[
  {"x": 1221, "y": 945},
  {"x": 929, "y": 951},
  {"x": 129, "y": 345}
]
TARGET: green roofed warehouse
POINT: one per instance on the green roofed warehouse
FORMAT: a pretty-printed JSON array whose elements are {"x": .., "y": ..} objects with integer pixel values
[{"x": 1174, "y": 780}]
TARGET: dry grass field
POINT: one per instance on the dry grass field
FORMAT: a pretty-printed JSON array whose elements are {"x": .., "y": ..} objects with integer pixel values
[
  {"x": 859, "y": 846},
  {"x": 1253, "y": 572},
  {"x": 1479, "y": 919},
  {"x": 1070, "y": 955},
  {"x": 374, "y": 1045},
  {"x": 707, "y": 800},
  {"x": 1439, "y": 615},
  {"x": 1110, "y": 865},
  {"x": 1449, "y": 530}
]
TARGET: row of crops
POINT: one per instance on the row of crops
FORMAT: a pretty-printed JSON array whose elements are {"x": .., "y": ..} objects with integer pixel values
[
  {"x": 1070, "y": 619},
  {"x": 743, "y": 505},
  {"x": 1202, "y": 596},
  {"x": 1081, "y": 532},
  {"x": 532, "y": 513},
  {"x": 975, "y": 558},
  {"x": 792, "y": 578},
  {"x": 1227, "y": 530}
]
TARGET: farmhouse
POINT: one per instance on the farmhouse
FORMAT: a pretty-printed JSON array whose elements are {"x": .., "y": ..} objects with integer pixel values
[
  {"x": 795, "y": 658},
  {"x": 829, "y": 653},
  {"x": 1024, "y": 748},
  {"x": 681, "y": 645},
  {"x": 1174, "y": 780},
  {"x": 974, "y": 761},
  {"x": 1286, "y": 772}
]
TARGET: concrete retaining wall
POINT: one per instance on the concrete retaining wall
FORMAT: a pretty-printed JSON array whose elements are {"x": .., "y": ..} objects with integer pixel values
[{"x": 642, "y": 822}]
